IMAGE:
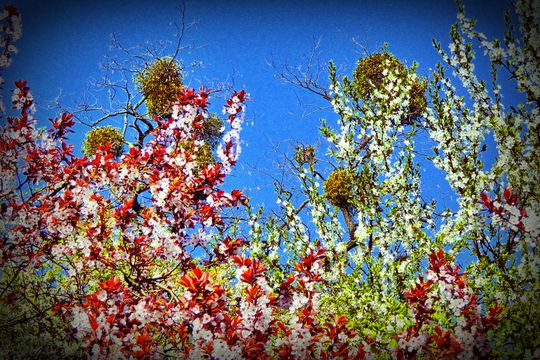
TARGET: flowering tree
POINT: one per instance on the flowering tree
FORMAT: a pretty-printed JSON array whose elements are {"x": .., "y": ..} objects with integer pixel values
[
  {"x": 132, "y": 255},
  {"x": 369, "y": 211}
]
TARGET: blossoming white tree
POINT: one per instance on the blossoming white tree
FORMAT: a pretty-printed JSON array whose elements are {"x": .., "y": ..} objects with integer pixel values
[{"x": 369, "y": 212}]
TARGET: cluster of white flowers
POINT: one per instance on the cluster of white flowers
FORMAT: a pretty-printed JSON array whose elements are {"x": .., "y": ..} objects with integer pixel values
[
  {"x": 11, "y": 31},
  {"x": 112, "y": 337},
  {"x": 295, "y": 228},
  {"x": 160, "y": 192},
  {"x": 222, "y": 350},
  {"x": 184, "y": 116},
  {"x": 256, "y": 316},
  {"x": 128, "y": 175},
  {"x": 460, "y": 133},
  {"x": 229, "y": 156},
  {"x": 200, "y": 334},
  {"x": 414, "y": 344},
  {"x": 80, "y": 322},
  {"x": 20, "y": 100},
  {"x": 300, "y": 339},
  {"x": 15, "y": 137}
]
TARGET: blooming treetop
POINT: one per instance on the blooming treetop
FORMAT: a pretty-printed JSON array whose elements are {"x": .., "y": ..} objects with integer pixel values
[{"x": 377, "y": 238}]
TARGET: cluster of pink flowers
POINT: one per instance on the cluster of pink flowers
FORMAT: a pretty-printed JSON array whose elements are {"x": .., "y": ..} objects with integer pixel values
[
  {"x": 510, "y": 214},
  {"x": 464, "y": 334},
  {"x": 506, "y": 210},
  {"x": 206, "y": 322}
]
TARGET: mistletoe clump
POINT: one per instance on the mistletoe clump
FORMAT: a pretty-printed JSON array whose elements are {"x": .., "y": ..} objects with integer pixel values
[
  {"x": 204, "y": 156},
  {"x": 211, "y": 130},
  {"x": 372, "y": 72},
  {"x": 100, "y": 137},
  {"x": 160, "y": 83},
  {"x": 338, "y": 188}
]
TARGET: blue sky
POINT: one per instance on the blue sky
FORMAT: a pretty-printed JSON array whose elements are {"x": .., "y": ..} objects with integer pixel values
[{"x": 64, "y": 43}]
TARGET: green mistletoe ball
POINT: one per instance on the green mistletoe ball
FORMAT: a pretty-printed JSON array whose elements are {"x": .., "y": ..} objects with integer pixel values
[
  {"x": 204, "y": 156},
  {"x": 338, "y": 188},
  {"x": 99, "y": 137},
  {"x": 370, "y": 73},
  {"x": 210, "y": 130},
  {"x": 160, "y": 82}
]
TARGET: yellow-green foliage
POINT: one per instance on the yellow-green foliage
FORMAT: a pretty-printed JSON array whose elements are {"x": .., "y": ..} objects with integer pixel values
[
  {"x": 369, "y": 75},
  {"x": 160, "y": 82},
  {"x": 100, "y": 136},
  {"x": 210, "y": 130},
  {"x": 204, "y": 156},
  {"x": 338, "y": 188}
]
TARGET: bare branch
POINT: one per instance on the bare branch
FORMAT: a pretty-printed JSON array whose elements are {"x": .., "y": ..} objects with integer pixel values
[{"x": 307, "y": 76}]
